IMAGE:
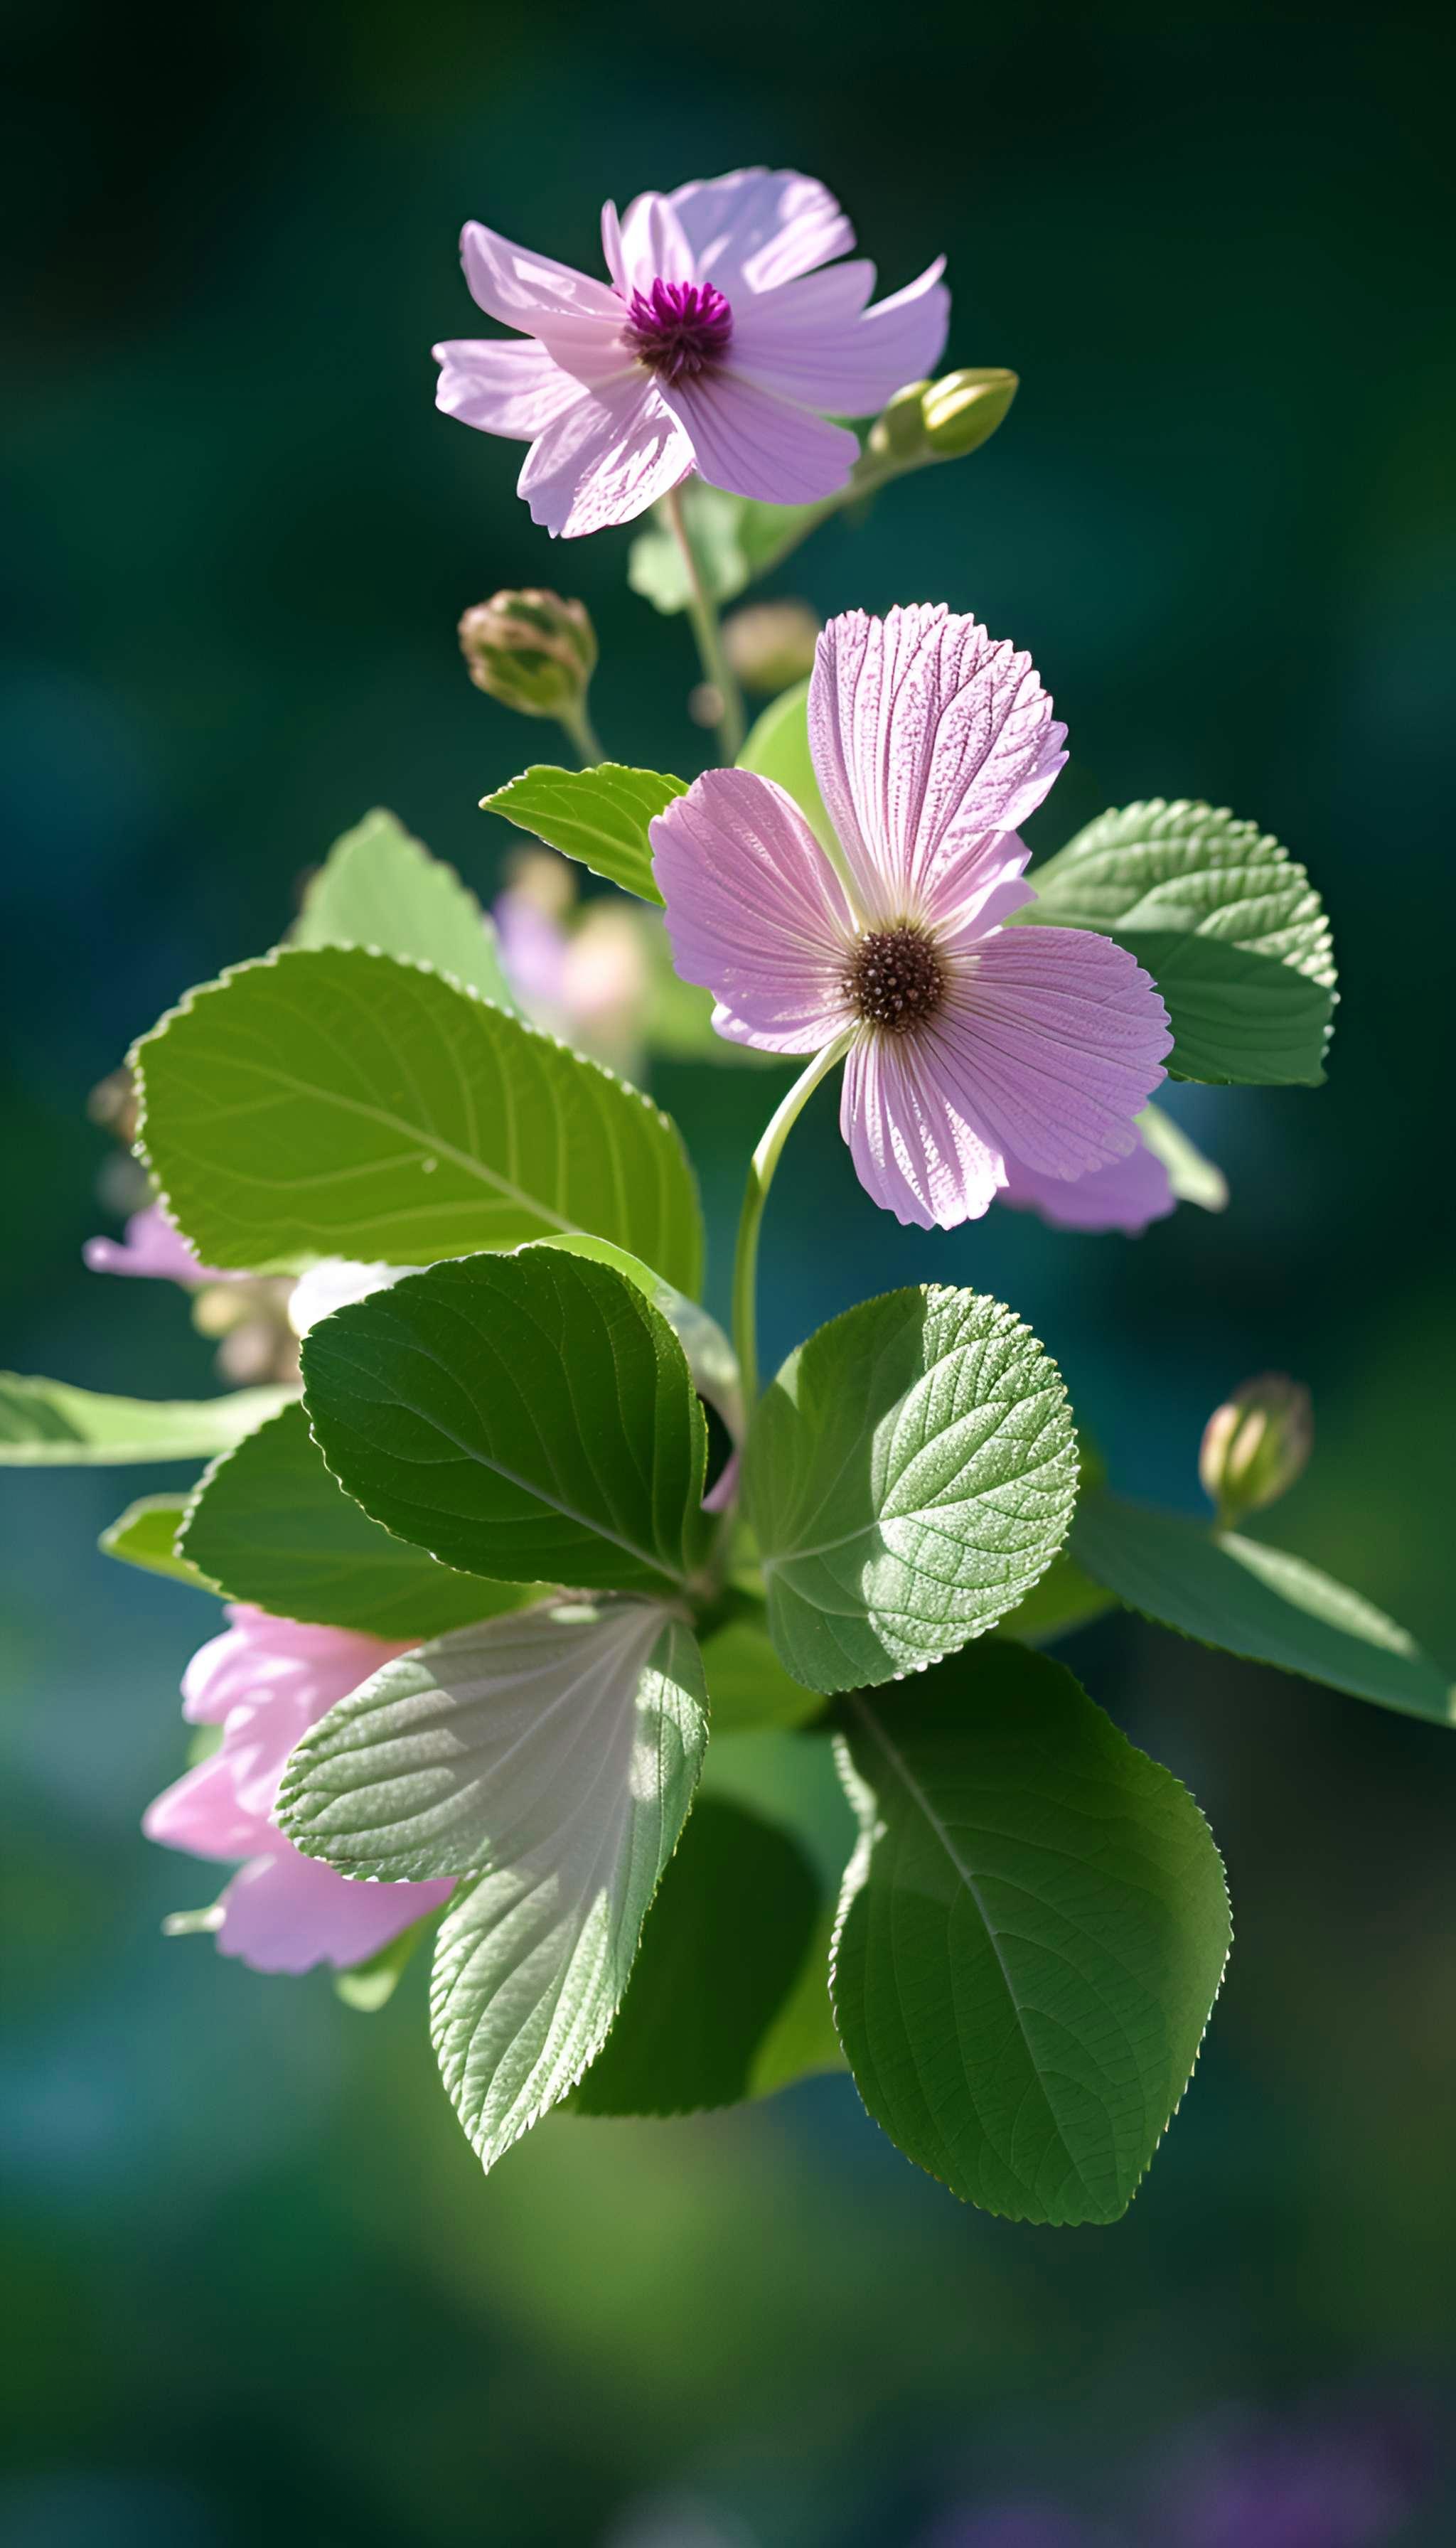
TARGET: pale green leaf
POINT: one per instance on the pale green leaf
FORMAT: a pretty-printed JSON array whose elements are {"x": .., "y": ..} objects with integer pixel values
[
  {"x": 748, "y": 1686},
  {"x": 1256, "y": 1601},
  {"x": 48, "y": 1424},
  {"x": 778, "y": 748},
  {"x": 735, "y": 540},
  {"x": 1193, "y": 1178},
  {"x": 371, "y": 1986},
  {"x": 379, "y": 888},
  {"x": 908, "y": 1476},
  {"x": 1063, "y": 1600},
  {"x": 145, "y": 1535},
  {"x": 331, "y": 1102},
  {"x": 599, "y": 816},
  {"x": 1033, "y": 1932},
  {"x": 269, "y": 1524},
  {"x": 525, "y": 1417},
  {"x": 549, "y": 1760}
]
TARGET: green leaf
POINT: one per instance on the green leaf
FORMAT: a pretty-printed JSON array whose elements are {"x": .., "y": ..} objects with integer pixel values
[
  {"x": 1159, "y": 876},
  {"x": 1252, "y": 1601},
  {"x": 748, "y": 1686},
  {"x": 778, "y": 748},
  {"x": 1033, "y": 1932},
  {"x": 47, "y": 1424},
  {"x": 909, "y": 1476},
  {"x": 551, "y": 1757},
  {"x": 526, "y": 1417},
  {"x": 711, "y": 1357},
  {"x": 145, "y": 1535},
  {"x": 1065, "y": 1599},
  {"x": 379, "y": 887},
  {"x": 269, "y": 1524},
  {"x": 1193, "y": 1178},
  {"x": 336, "y": 1103},
  {"x": 735, "y": 540},
  {"x": 721, "y": 1957},
  {"x": 371, "y": 1986},
  {"x": 599, "y": 816}
]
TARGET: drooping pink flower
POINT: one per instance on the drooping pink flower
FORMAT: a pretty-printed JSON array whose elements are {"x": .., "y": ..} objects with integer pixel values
[
  {"x": 722, "y": 343},
  {"x": 974, "y": 1054},
  {"x": 1126, "y": 1194},
  {"x": 152, "y": 1245},
  {"x": 265, "y": 1682}
]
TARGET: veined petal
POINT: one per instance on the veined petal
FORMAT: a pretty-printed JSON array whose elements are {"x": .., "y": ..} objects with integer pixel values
[
  {"x": 815, "y": 341},
  {"x": 751, "y": 442},
  {"x": 760, "y": 228},
  {"x": 503, "y": 385},
  {"x": 915, "y": 1148},
  {"x": 1126, "y": 1194},
  {"x": 929, "y": 740},
  {"x": 284, "y": 1913},
  {"x": 524, "y": 290},
  {"x": 653, "y": 246},
  {"x": 606, "y": 460},
  {"x": 754, "y": 911},
  {"x": 1054, "y": 1040}
]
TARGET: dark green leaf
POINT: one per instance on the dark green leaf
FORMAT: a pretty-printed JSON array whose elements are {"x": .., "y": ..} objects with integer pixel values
[
  {"x": 1238, "y": 1020},
  {"x": 1033, "y": 1933}
]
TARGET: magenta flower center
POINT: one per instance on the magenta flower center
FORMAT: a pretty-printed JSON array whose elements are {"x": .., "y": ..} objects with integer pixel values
[
  {"x": 896, "y": 978},
  {"x": 679, "y": 329}
]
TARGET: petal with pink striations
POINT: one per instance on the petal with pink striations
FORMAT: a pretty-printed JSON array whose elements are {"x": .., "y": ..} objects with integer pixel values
[
  {"x": 751, "y": 442},
  {"x": 652, "y": 246},
  {"x": 529, "y": 291},
  {"x": 503, "y": 385},
  {"x": 929, "y": 740},
  {"x": 1054, "y": 1037},
  {"x": 605, "y": 461},
  {"x": 760, "y": 228},
  {"x": 1126, "y": 1194},
  {"x": 754, "y": 911},
  {"x": 917, "y": 1152},
  {"x": 815, "y": 341}
]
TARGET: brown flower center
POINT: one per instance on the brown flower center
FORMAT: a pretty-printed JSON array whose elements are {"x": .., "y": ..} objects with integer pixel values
[{"x": 895, "y": 977}]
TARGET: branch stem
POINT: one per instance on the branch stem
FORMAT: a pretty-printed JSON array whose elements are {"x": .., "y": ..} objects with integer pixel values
[
  {"x": 755, "y": 1194},
  {"x": 706, "y": 628}
]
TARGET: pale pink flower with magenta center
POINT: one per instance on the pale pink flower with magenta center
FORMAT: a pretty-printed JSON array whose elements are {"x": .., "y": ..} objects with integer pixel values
[
  {"x": 979, "y": 1058},
  {"x": 721, "y": 343},
  {"x": 265, "y": 1682}
]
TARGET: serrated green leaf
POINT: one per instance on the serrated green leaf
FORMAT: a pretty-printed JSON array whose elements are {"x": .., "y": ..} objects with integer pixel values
[
  {"x": 1033, "y": 1930},
  {"x": 908, "y": 1476},
  {"x": 527, "y": 1417},
  {"x": 748, "y": 1686},
  {"x": 269, "y": 1524},
  {"x": 1193, "y": 1178},
  {"x": 599, "y": 816},
  {"x": 332, "y": 1102},
  {"x": 145, "y": 1535},
  {"x": 551, "y": 1759},
  {"x": 379, "y": 887},
  {"x": 1255, "y": 1601},
  {"x": 722, "y": 1955},
  {"x": 1157, "y": 876},
  {"x": 711, "y": 1357},
  {"x": 46, "y": 1423},
  {"x": 777, "y": 748}
]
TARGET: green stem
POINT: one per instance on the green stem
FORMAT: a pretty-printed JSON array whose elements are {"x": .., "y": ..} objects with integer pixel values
[
  {"x": 581, "y": 734},
  {"x": 702, "y": 612},
  {"x": 755, "y": 1194}
]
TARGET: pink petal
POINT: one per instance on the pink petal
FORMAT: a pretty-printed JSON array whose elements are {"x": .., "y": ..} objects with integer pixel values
[
  {"x": 813, "y": 340},
  {"x": 751, "y": 442},
  {"x": 914, "y": 1148},
  {"x": 754, "y": 910},
  {"x": 929, "y": 740},
  {"x": 503, "y": 385},
  {"x": 1125, "y": 1196},
  {"x": 200, "y": 1813},
  {"x": 153, "y": 1246},
  {"x": 760, "y": 228},
  {"x": 606, "y": 460},
  {"x": 652, "y": 246},
  {"x": 530, "y": 291},
  {"x": 1052, "y": 1040},
  {"x": 259, "y": 1655},
  {"x": 284, "y": 1913}
]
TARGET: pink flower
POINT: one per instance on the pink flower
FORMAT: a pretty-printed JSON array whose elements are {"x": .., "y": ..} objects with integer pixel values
[
  {"x": 1124, "y": 1196},
  {"x": 152, "y": 1245},
  {"x": 721, "y": 343},
  {"x": 980, "y": 1057},
  {"x": 265, "y": 1682}
]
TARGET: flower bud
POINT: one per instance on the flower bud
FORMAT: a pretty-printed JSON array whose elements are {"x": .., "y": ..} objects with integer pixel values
[
  {"x": 532, "y": 651},
  {"x": 965, "y": 408},
  {"x": 1256, "y": 1445},
  {"x": 771, "y": 644}
]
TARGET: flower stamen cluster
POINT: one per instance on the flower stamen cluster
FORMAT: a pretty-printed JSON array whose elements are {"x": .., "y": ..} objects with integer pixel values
[
  {"x": 895, "y": 979},
  {"x": 679, "y": 330}
]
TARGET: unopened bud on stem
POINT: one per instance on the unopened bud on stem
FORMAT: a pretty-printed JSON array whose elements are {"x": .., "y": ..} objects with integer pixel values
[
  {"x": 1256, "y": 1445},
  {"x": 532, "y": 651},
  {"x": 940, "y": 419}
]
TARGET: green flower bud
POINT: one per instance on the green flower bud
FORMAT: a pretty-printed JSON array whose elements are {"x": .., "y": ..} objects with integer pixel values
[
  {"x": 1256, "y": 1445},
  {"x": 965, "y": 408},
  {"x": 532, "y": 651},
  {"x": 771, "y": 644}
]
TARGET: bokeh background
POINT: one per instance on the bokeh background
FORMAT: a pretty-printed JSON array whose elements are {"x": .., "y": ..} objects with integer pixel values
[{"x": 255, "y": 2282}]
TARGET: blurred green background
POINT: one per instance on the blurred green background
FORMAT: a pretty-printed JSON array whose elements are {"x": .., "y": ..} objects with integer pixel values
[{"x": 257, "y": 2284}]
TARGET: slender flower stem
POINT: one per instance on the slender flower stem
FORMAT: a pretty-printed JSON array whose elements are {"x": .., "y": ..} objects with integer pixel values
[
  {"x": 581, "y": 734},
  {"x": 702, "y": 613},
  {"x": 755, "y": 1194}
]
